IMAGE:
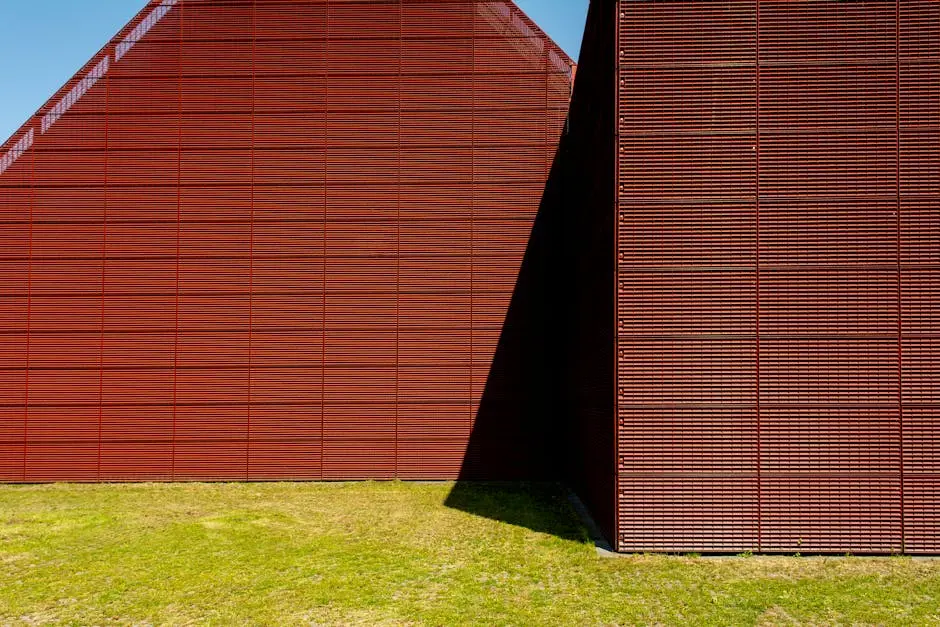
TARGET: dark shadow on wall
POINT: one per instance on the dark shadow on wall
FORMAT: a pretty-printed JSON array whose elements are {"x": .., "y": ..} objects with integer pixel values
[
  {"x": 515, "y": 433},
  {"x": 547, "y": 412},
  {"x": 515, "y": 436},
  {"x": 587, "y": 245}
]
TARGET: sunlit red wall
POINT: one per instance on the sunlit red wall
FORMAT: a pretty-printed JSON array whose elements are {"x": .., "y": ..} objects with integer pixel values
[
  {"x": 271, "y": 239},
  {"x": 779, "y": 276}
]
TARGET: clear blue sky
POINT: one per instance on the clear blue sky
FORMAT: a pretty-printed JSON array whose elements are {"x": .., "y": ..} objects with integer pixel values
[{"x": 46, "y": 41}]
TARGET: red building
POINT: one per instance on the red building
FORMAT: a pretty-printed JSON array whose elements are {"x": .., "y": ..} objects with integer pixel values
[
  {"x": 338, "y": 239},
  {"x": 273, "y": 239},
  {"x": 776, "y": 178}
]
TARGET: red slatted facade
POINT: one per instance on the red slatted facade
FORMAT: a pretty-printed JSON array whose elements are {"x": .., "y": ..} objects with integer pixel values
[
  {"x": 778, "y": 276},
  {"x": 275, "y": 239},
  {"x": 919, "y": 260}
]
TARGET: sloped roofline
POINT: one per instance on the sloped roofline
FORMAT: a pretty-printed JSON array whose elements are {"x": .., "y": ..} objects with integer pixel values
[
  {"x": 76, "y": 79},
  {"x": 563, "y": 56},
  {"x": 22, "y": 138}
]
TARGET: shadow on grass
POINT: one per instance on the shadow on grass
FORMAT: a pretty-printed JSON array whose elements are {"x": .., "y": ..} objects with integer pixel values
[
  {"x": 546, "y": 410},
  {"x": 513, "y": 466},
  {"x": 541, "y": 507}
]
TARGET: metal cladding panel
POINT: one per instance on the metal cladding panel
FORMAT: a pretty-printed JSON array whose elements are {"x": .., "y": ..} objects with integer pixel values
[
  {"x": 686, "y": 282},
  {"x": 919, "y": 169},
  {"x": 777, "y": 263},
  {"x": 271, "y": 239}
]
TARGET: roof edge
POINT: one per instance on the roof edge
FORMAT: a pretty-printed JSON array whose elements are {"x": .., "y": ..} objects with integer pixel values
[
  {"x": 32, "y": 122},
  {"x": 551, "y": 42},
  {"x": 14, "y": 143}
]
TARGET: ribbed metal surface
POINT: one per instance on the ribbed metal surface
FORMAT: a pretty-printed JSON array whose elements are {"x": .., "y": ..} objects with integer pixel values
[
  {"x": 828, "y": 348},
  {"x": 777, "y": 272},
  {"x": 919, "y": 232},
  {"x": 271, "y": 239},
  {"x": 687, "y": 277}
]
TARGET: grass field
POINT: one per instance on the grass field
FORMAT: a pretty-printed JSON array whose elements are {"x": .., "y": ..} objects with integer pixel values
[{"x": 394, "y": 553}]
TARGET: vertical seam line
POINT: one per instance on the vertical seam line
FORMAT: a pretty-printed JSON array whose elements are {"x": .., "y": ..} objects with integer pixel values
[
  {"x": 326, "y": 161},
  {"x": 473, "y": 189},
  {"x": 251, "y": 237},
  {"x": 401, "y": 44},
  {"x": 900, "y": 426},
  {"x": 179, "y": 158},
  {"x": 616, "y": 237},
  {"x": 104, "y": 264},
  {"x": 757, "y": 243},
  {"x": 29, "y": 302}
]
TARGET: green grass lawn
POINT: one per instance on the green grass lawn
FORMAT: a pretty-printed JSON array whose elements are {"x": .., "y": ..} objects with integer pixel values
[{"x": 393, "y": 553}]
